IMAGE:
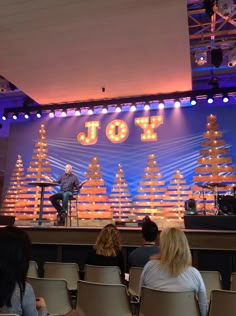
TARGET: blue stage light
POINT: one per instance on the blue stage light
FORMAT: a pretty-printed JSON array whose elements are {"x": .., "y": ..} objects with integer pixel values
[
  {"x": 193, "y": 101},
  {"x": 15, "y": 116},
  {"x": 210, "y": 100},
  {"x": 39, "y": 114},
  {"x": 225, "y": 98},
  {"x": 51, "y": 114}
]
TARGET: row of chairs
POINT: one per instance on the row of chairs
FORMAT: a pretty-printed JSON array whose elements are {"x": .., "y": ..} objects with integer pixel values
[
  {"x": 113, "y": 299},
  {"x": 111, "y": 275}
]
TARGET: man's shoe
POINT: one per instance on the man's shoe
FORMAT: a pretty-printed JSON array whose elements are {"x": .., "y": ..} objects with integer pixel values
[
  {"x": 58, "y": 220},
  {"x": 62, "y": 218}
]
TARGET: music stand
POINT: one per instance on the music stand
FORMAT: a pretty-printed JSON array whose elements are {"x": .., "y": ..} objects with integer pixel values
[
  {"x": 204, "y": 186},
  {"x": 215, "y": 186},
  {"x": 42, "y": 185}
]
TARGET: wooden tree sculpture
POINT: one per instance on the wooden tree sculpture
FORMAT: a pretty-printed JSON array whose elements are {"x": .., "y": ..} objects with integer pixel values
[
  {"x": 39, "y": 170},
  {"x": 15, "y": 186},
  {"x": 215, "y": 170},
  {"x": 120, "y": 198},
  {"x": 177, "y": 193},
  {"x": 151, "y": 192},
  {"x": 93, "y": 199}
]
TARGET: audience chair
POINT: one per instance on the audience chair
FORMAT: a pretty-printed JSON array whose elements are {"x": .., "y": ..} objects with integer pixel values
[
  {"x": 55, "y": 293},
  {"x": 102, "y": 299},
  {"x": 212, "y": 281},
  {"x": 134, "y": 277},
  {"x": 33, "y": 270},
  {"x": 155, "y": 302},
  {"x": 233, "y": 281},
  {"x": 102, "y": 274},
  {"x": 62, "y": 270},
  {"x": 222, "y": 303}
]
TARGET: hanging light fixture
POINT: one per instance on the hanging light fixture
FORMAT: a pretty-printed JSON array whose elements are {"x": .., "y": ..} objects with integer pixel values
[{"x": 51, "y": 114}]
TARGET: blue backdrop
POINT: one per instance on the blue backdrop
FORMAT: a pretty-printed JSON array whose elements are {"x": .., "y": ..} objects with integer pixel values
[{"x": 177, "y": 147}]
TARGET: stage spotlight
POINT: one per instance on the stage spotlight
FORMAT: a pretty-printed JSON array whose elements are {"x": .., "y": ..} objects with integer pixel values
[
  {"x": 210, "y": 99},
  {"x": 118, "y": 108},
  {"x": 90, "y": 111},
  {"x": 39, "y": 114},
  {"x": 190, "y": 207},
  {"x": 51, "y": 114},
  {"x": 15, "y": 116},
  {"x": 216, "y": 57},
  {"x": 177, "y": 104},
  {"x": 232, "y": 58},
  {"x": 200, "y": 57},
  {"x": 104, "y": 109},
  {"x": 146, "y": 107},
  {"x": 27, "y": 115},
  {"x": 161, "y": 105},
  {"x": 133, "y": 108},
  {"x": 4, "y": 117},
  {"x": 3, "y": 88},
  {"x": 77, "y": 112},
  {"x": 225, "y": 98},
  {"x": 64, "y": 113},
  {"x": 226, "y": 7},
  {"x": 193, "y": 101}
]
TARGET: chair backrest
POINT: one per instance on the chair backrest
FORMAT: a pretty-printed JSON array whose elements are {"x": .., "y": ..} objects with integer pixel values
[
  {"x": 33, "y": 270},
  {"x": 66, "y": 271},
  {"x": 134, "y": 277},
  {"x": 9, "y": 314},
  {"x": 54, "y": 292},
  {"x": 212, "y": 281},
  {"x": 102, "y": 274},
  {"x": 102, "y": 299},
  {"x": 155, "y": 302},
  {"x": 222, "y": 303},
  {"x": 233, "y": 281}
]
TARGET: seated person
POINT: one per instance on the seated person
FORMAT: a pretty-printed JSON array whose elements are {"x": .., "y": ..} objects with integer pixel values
[
  {"x": 69, "y": 183},
  {"x": 107, "y": 251},
  {"x": 16, "y": 294},
  {"x": 140, "y": 256},
  {"x": 172, "y": 271}
]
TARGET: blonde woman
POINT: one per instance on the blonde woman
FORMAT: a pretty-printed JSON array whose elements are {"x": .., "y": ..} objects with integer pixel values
[
  {"x": 107, "y": 250},
  {"x": 172, "y": 271}
]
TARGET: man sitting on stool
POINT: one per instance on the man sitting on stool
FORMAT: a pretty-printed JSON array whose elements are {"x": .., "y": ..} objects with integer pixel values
[{"x": 69, "y": 184}]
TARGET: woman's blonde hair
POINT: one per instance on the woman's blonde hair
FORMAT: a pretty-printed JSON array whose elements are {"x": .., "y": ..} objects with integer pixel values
[
  {"x": 175, "y": 255},
  {"x": 108, "y": 241}
]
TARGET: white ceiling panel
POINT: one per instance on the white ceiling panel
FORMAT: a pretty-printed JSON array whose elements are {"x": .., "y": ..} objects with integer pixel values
[{"x": 67, "y": 50}]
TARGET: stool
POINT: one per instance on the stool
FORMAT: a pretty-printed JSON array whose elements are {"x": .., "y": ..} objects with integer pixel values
[{"x": 74, "y": 197}]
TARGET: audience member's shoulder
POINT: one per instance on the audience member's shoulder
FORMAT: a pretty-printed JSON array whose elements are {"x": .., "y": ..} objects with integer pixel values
[
  {"x": 151, "y": 264},
  {"x": 28, "y": 289},
  {"x": 194, "y": 271}
]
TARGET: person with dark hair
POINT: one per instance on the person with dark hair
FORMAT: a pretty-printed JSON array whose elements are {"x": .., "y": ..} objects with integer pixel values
[
  {"x": 140, "y": 256},
  {"x": 107, "y": 250},
  {"x": 16, "y": 294}
]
